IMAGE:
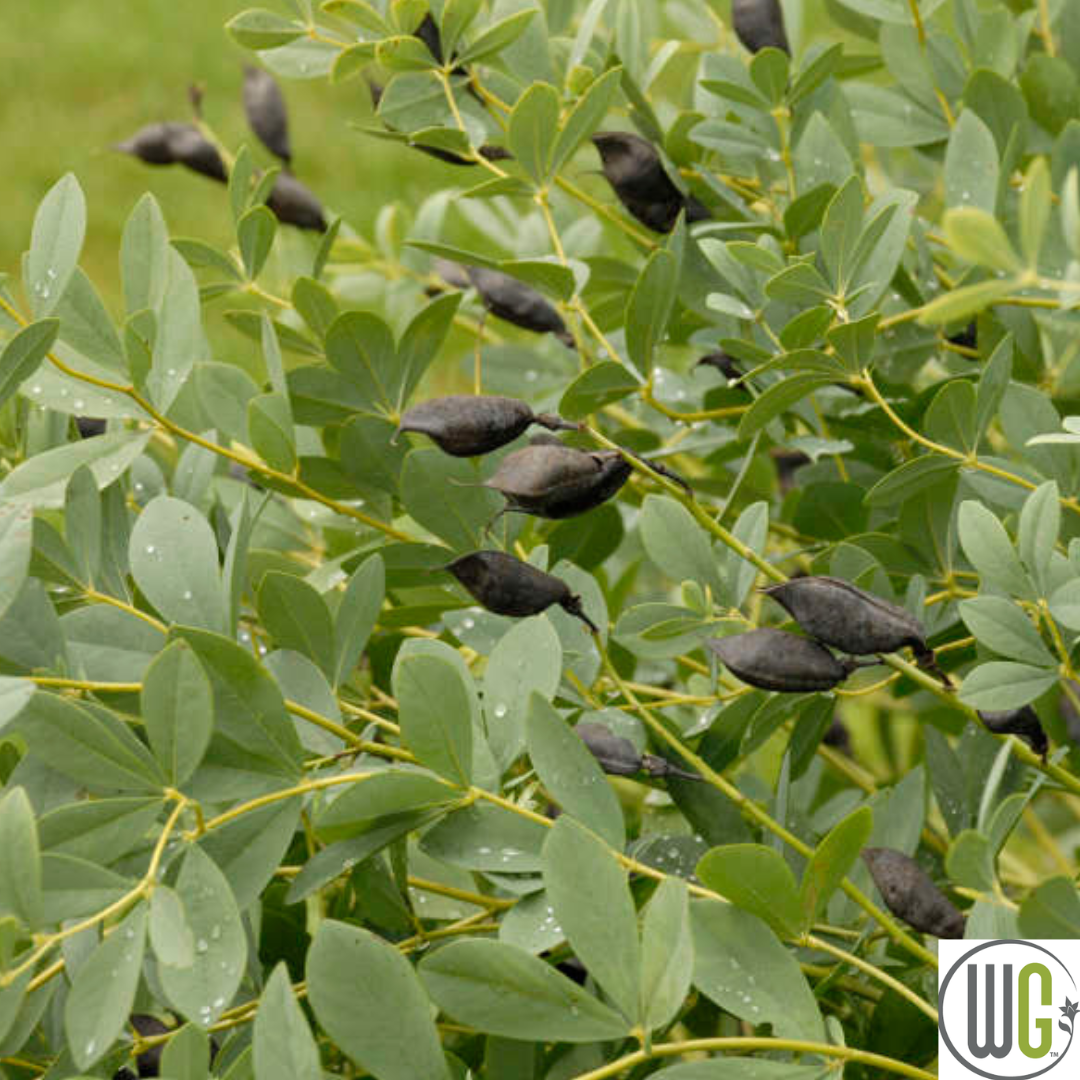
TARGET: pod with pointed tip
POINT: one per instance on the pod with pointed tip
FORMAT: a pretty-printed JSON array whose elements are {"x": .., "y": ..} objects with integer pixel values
[
  {"x": 293, "y": 204},
  {"x": 465, "y": 425},
  {"x": 264, "y": 106},
  {"x": 508, "y": 586},
  {"x": 171, "y": 143},
  {"x": 1023, "y": 722},
  {"x": 776, "y": 660},
  {"x": 618, "y": 756},
  {"x": 910, "y": 895},
  {"x": 518, "y": 303},
  {"x": 726, "y": 365},
  {"x": 759, "y": 24},
  {"x": 636, "y": 174},
  {"x": 850, "y": 619}
]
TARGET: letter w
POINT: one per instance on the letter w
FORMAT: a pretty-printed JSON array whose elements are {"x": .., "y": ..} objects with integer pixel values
[{"x": 989, "y": 1047}]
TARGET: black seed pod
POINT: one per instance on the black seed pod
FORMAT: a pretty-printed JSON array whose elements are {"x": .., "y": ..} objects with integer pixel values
[
  {"x": 723, "y": 363},
  {"x": 89, "y": 426},
  {"x": 428, "y": 33},
  {"x": 487, "y": 151},
  {"x": 464, "y": 425},
  {"x": 293, "y": 204},
  {"x": 838, "y": 736},
  {"x": 910, "y": 895},
  {"x": 149, "y": 1063},
  {"x": 176, "y": 144},
  {"x": 776, "y": 660},
  {"x": 1023, "y": 722},
  {"x": 788, "y": 463},
  {"x": 614, "y": 753},
  {"x": 508, "y": 586},
  {"x": 759, "y": 24},
  {"x": 518, "y": 303},
  {"x": 968, "y": 338},
  {"x": 633, "y": 168},
  {"x": 851, "y": 619},
  {"x": 264, "y": 106}
]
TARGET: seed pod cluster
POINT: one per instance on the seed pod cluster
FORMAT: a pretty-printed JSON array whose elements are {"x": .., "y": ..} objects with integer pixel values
[
  {"x": 633, "y": 168},
  {"x": 1023, "y": 722},
  {"x": 618, "y": 756},
  {"x": 759, "y": 24},
  {"x": 848, "y": 618},
  {"x": 773, "y": 659},
  {"x": 508, "y": 586},
  {"x": 463, "y": 425},
  {"x": 910, "y": 895},
  {"x": 172, "y": 143}
]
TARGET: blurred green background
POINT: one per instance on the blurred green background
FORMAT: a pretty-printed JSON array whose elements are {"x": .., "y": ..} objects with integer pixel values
[{"x": 81, "y": 76}]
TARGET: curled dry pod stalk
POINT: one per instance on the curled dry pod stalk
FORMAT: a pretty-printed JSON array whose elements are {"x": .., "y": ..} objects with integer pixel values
[
  {"x": 636, "y": 174},
  {"x": 776, "y": 660},
  {"x": 852, "y": 620},
  {"x": 518, "y": 303},
  {"x": 1023, "y": 722},
  {"x": 293, "y": 204},
  {"x": 910, "y": 895},
  {"x": 508, "y": 586},
  {"x": 264, "y": 106},
  {"x": 464, "y": 425},
  {"x": 759, "y": 24}
]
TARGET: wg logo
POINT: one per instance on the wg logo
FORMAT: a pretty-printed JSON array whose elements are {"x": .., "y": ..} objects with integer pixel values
[{"x": 1007, "y": 1008}]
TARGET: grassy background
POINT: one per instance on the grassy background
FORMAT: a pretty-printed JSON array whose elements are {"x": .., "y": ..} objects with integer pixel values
[{"x": 83, "y": 76}]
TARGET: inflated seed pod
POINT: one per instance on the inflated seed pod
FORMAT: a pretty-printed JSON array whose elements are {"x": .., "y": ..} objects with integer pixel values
[
  {"x": 89, "y": 426},
  {"x": 465, "y": 425},
  {"x": 264, "y": 106},
  {"x": 171, "y": 143},
  {"x": 759, "y": 24},
  {"x": 618, "y": 756},
  {"x": 850, "y": 619},
  {"x": 1023, "y": 722},
  {"x": 776, "y": 660},
  {"x": 633, "y": 168},
  {"x": 723, "y": 363},
  {"x": 518, "y": 303},
  {"x": 910, "y": 895},
  {"x": 149, "y": 1063},
  {"x": 508, "y": 586},
  {"x": 293, "y": 204}
]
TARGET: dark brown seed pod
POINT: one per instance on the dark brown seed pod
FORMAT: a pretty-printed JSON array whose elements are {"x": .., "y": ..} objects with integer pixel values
[
  {"x": 614, "y": 753},
  {"x": 759, "y": 24},
  {"x": 633, "y": 168},
  {"x": 910, "y": 895},
  {"x": 776, "y": 660},
  {"x": 852, "y": 620},
  {"x": 555, "y": 481},
  {"x": 293, "y": 204},
  {"x": 968, "y": 338},
  {"x": 788, "y": 463},
  {"x": 171, "y": 143},
  {"x": 518, "y": 303},
  {"x": 838, "y": 736},
  {"x": 508, "y": 586},
  {"x": 487, "y": 151},
  {"x": 264, "y": 106},
  {"x": 89, "y": 426},
  {"x": 465, "y": 425},
  {"x": 1023, "y": 722},
  {"x": 723, "y": 363},
  {"x": 149, "y": 1062}
]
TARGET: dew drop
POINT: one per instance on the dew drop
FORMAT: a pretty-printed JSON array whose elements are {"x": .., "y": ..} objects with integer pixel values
[
  {"x": 201, "y": 945},
  {"x": 36, "y": 390},
  {"x": 150, "y": 549},
  {"x": 531, "y": 376},
  {"x": 468, "y": 624},
  {"x": 78, "y": 403},
  {"x": 500, "y": 711}
]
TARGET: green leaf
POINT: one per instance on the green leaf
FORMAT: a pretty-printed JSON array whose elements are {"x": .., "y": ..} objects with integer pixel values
[
  {"x": 369, "y": 1001},
  {"x": 283, "y": 1043},
  {"x": 1040, "y": 522},
  {"x": 1065, "y": 604},
  {"x": 421, "y": 342},
  {"x": 588, "y": 891},
  {"x": 20, "y": 859},
  {"x": 362, "y": 14},
  {"x": 1051, "y": 910},
  {"x": 534, "y": 125},
  {"x": 88, "y": 744},
  {"x": 677, "y": 544},
  {"x": 571, "y": 774},
  {"x": 831, "y": 861},
  {"x": 174, "y": 560},
  {"x": 1002, "y": 684},
  {"x": 187, "y": 1054},
  {"x": 55, "y": 244},
  {"x": 103, "y": 992},
  {"x": 840, "y": 231},
  {"x": 971, "y": 165},
  {"x": 1002, "y": 626},
  {"x": 486, "y": 837},
  {"x": 650, "y": 306},
  {"x": 255, "y": 233},
  {"x": 201, "y": 991},
  {"x": 170, "y": 936},
  {"x": 144, "y": 256},
  {"x": 757, "y": 879},
  {"x": 357, "y": 615},
  {"x": 989, "y": 549},
  {"x": 178, "y": 711},
  {"x": 596, "y": 387},
  {"x": 361, "y": 347},
  {"x": 740, "y": 965},
  {"x": 970, "y": 861},
  {"x": 443, "y": 494},
  {"x": 950, "y": 419},
  {"x": 1035, "y": 209},
  {"x": 378, "y": 796},
  {"x": 667, "y": 954},
  {"x": 979, "y": 237},
  {"x": 23, "y": 353},
  {"x": 82, "y": 518},
  {"x": 270, "y": 430},
  {"x": 501, "y": 989},
  {"x": 435, "y": 715},
  {"x": 585, "y": 117},
  {"x": 778, "y": 399},
  {"x": 258, "y": 28},
  {"x": 16, "y": 531},
  {"x": 15, "y": 693},
  {"x": 404, "y": 53},
  {"x": 965, "y": 302},
  {"x": 993, "y": 384},
  {"x": 752, "y": 528},
  {"x": 497, "y": 37},
  {"x": 297, "y": 617}
]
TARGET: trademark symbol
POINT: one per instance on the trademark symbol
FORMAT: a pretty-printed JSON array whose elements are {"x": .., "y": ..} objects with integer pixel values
[{"x": 1053, "y": 1053}]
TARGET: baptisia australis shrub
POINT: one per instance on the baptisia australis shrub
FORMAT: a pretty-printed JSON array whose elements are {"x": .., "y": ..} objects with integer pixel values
[{"x": 428, "y": 666}]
